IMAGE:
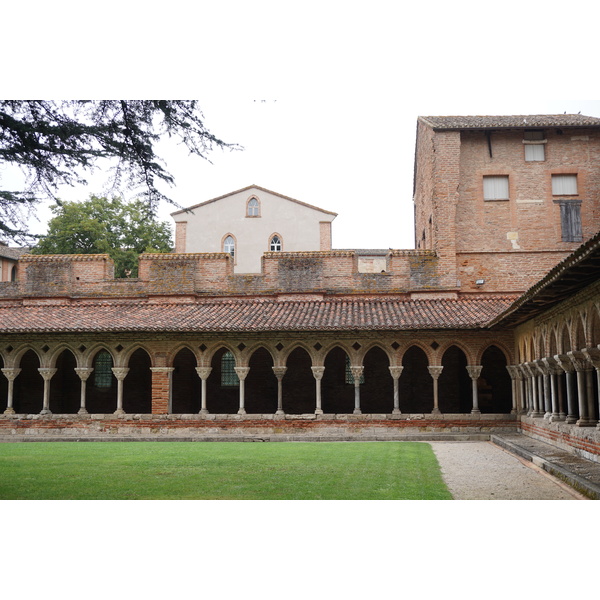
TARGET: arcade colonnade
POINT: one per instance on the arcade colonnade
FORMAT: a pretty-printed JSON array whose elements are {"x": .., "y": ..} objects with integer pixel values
[{"x": 399, "y": 375}]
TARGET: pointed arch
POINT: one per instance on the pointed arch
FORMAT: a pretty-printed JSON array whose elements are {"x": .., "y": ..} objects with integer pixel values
[
  {"x": 415, "y": 384},
  {"x": 137, "y": 386},
  {"x": 299, "y": 389},
  {"x": 578, "y": 331},
  {"x": 261, "y": 383},
  {"x": 185, "y": 383},
  {"x": 494, "y": 386},
  {"x": 253, "y": 207},
  {"x": 377, "y": 392},
  {"x": 222, "y": 393},
  {"x": 102, "y": 385},
  {"x": 454, "y": 384},
  {"x": 337, "y": 392},
  {"x": 65, "y": 385},
  {"x": 29, "y": 385},
  {"x": 275, "y": 242}
]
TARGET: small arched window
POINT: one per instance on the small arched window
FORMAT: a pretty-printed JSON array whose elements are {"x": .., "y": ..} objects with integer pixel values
[
  {"x": 103, "y": 375},
  {"x": 275, "y": 244},
  {"x": 229, "y": 246},
  {"x": 229, "y": 377},
  {"x": 349, "y": 377},
  {"x": 253, "y": 209}
]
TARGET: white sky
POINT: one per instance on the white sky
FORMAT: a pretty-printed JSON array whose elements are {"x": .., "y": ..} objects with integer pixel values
[
  {"x": 349, "y": 80},
  {"x": 343, "y": 84}
]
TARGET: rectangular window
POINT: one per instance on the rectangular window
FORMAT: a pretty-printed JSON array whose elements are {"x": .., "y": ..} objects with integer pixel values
[
  {"x": 495, "y": 187},
  {"x": 570, "y": 220},
  {"x": 534, "y": 146},
  {"x": 564, "y": 185}
]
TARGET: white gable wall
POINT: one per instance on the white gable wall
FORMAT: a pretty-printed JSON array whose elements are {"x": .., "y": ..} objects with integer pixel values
[{"x": 297, "y": 225}]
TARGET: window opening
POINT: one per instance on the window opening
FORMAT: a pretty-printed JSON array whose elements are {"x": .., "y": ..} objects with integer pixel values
[
  {"x": 103, "y": 370},
  {"x": 275, "y": 244},
  {"x": 564, "y": 185},
  {"x": 495, "y": 187},
  {"x": 229, "y": 377},
  {"x": 229, "y": 246},
  {"x": 534, "y": 145},
  {"x": 253, "y": 207}
]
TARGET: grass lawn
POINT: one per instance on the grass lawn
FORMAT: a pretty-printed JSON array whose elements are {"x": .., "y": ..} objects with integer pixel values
[{"x": 220, "y": 471}]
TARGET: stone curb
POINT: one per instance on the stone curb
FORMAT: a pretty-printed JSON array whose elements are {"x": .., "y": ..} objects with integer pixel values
[{"x": 582, "y": 485}]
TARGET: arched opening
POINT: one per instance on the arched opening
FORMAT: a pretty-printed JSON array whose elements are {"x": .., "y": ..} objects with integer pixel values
[
  {"x": 223, "y": 386},
  {"x": 186, "y": 385},
  {"x": 299, "y": 390},
  {"x": 29, "y": 386},
  {"x": 494, "y": 388},
  {"x": 454, "y": 384},
  {"x": 137, "y": 386},
  {"x": 3, "y": 389},
  {"x": 337, "y": 384},
  {"x": 579, "y": 333},
  {"x": 65, "y": 386},
  {"x": 595, "y": 326},
  {"x": 415, "y": 384},
  {"x": 377, "y": 392},
  {"x": 260, "y": 390},
  {"x": 101, "y": 389}
]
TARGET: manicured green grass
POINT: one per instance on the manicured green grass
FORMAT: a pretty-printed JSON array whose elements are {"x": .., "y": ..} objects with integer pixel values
[{"x": 220, "y": 471}]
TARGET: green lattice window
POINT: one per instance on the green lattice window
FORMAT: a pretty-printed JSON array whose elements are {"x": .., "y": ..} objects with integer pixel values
[
  {"x": 103, "y": 370},
  {"x": 228, "y": 375}
]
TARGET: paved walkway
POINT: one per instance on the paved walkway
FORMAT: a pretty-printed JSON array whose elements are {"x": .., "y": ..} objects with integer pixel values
[{"x": 519, "y": 472}]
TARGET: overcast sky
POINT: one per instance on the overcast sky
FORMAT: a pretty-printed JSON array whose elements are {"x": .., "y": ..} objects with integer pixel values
[{"x": 324, "y": 97}]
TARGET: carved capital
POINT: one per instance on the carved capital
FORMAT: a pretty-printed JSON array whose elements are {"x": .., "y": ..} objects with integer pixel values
[
  {"x": 564, "y": 363},
  {"x": 318, "y": 372},
  {"x": 580, "y": 361},
  {"x": 513, "y": 371},
  {"x": 357, "y": 373},
  {"x": 435, "y": 372},
  {"x": 242, "y": 372},
  {"x": 541, "y": 367},
  {"x": 395, "y": 372},
  {"x": 593, "y": 355},
  {"x": 279, "y": 372},
  {"x": 162, "y": 369},
  {"x": 11, "y": 374},
  {"x": 47, "y": 373},
  {"x": 474, "y": 371},
  {"x": 121, "y": 372},
  {"x": 203, "y": 372},
  {"x": 84, "y": 372}
]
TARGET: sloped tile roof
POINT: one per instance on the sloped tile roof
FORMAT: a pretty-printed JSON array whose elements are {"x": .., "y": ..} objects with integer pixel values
[
  {"x": 510, "y": 121},
  {"x": 252, "y": 315}
]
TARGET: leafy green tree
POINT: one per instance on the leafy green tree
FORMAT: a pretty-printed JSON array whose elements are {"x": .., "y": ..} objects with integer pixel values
[
  {"x": 58, "y": 142},
  {"x": 106, "y": 226}
]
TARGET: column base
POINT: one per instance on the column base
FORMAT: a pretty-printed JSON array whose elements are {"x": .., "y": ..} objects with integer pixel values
[
  {"x": 396, "y": 411},
  {"x": 82, "y": 411},
  {"x": 9, "y": 411},
  {"x": 119, "y": 411},
  {"x": 279, "y": 413},
  {"x": 45, "y": 411},
  {"x": 536, "y": 414},
  {"x": 436, "y": 411},
  {"x": 241, "y": 411},
  {"x": 586, "y": 423},
  {"x": 547, "y": 416},
  {"x": 203, "y": 411},
  {"x": 476, "y": 411},
  {"x": 556, "y": 418},
  {"x": 570, "y": 420},
  {"x": 357, "y": 411},
  {"x": 318, "y": 411}
]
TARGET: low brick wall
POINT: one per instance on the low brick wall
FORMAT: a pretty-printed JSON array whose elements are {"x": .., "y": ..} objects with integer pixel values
[
  {"x": 288, "y": 427},
  {"x": 581, "y": 441}
]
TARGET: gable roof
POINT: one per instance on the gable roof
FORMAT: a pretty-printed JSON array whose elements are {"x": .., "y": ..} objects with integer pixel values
[
  {"x": 253, "y": 187},
  {"x": 509, "y": 121}
]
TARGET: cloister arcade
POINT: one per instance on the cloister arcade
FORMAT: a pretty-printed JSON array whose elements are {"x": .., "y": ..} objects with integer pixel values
[{"x": 276, "y": 377}]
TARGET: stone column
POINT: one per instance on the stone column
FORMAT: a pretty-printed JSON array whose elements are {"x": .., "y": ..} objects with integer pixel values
[
  {"x": 203, "y": 373},
  {"x": 581, "y": 365},
  {"x": 544, "y": 383},
  {"x": 279, "y": 373},
  {"x": 513, "y": 371},
  {"x": 11, "y": 375},
  {"x": 242, "y": 373},
  {"x": 47, "y": 373},
  {"x": 435, "y": 373},
  {"x": 522, "y": 406},
  {"x": 593, "y": 355},
  {"x": 395, "y": 373},
  {"x": 357, "y": 374},
  {"x": 553, "y": 370},
  {"x": 535, "y": 400},
  {"x": 567, "y": 366},
  {"x": 162, "y": 399},
  {"x": 120, "y": 373},
  {"x": 527, "y": 409},
  {"x": 84, "y": 374},
  {"x": 318, "y": 375},
  {"x": 474, "y": 373}
]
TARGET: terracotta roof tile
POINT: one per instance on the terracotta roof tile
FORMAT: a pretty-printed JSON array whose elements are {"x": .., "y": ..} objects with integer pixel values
[
  {"x": 253, "y": 315},
  {"x": 510, "y": 121}
]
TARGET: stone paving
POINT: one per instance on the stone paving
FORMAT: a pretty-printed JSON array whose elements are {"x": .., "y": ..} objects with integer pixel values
[{"x": 476, "y": 470}]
